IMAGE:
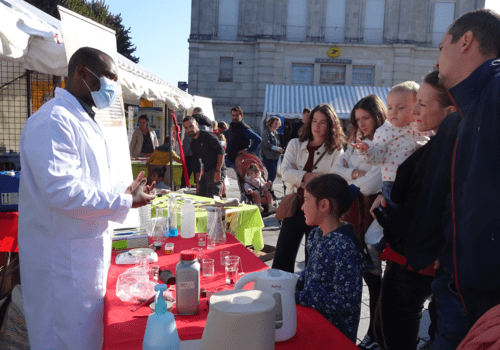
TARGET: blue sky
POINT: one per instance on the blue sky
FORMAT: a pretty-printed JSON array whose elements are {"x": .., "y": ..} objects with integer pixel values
[{"x": 160, "y": 29}]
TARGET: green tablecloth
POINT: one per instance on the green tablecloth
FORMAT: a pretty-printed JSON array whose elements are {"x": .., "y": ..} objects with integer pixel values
[
  {"x": 244, "y": 221},
  {"x": 140, "y": 165}
]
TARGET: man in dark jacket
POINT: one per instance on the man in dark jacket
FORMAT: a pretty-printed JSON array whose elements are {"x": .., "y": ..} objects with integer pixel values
[
  {"x": 467, "y": 282},
  {"x": 203, "y": 121},
  {"x": 208, "y": 151},
  {"x": 239, "y": 136}
]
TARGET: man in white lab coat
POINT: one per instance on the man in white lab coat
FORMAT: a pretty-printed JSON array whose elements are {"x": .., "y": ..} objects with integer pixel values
[{"x": 66, "y": 198}]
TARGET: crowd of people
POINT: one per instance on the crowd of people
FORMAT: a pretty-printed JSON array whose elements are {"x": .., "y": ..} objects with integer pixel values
[{"x": 414, "y": 184}]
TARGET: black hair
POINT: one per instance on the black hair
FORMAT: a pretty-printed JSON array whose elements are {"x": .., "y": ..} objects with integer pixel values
[
  {"x": 306, "y": 110},
  {"x": 237, "y": 109},
  {"x": 158, "y": 171},
  {"x": 485, "y": 24},
  {"x": 433, "y": 80},
  {"x": 188, "y": 118},
  {"x": 334, "y": 188},
  {"x": 144, "y": 116},
  {"x": 373, "y": 105},
  {"x": 87, "y": 56}
]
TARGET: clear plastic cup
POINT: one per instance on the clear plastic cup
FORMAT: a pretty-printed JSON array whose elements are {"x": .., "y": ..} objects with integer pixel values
[
  {"x": 202, "y": 239},
  {"x": 231, "y": 269},
  {"x": 210, "y": 242},
  {"x": 208, "y": 267},
  {"x": 223, "y": 255}
]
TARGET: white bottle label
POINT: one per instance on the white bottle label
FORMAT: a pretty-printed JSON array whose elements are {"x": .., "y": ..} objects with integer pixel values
[
  {"x": 11, "y": 198},
  {"x": 186, "y": 285}
]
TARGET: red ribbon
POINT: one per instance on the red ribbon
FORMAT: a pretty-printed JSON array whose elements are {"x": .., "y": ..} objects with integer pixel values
[{"x": 183, "y": 159}]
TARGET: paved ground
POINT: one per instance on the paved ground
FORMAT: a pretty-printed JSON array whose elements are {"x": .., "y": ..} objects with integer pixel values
[{"x": 270, "y": 234}]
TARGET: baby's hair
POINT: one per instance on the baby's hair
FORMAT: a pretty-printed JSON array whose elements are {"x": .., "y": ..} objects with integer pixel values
[
  {"x": 334, "y": 188},
  {"x": 409, "y": 85},
  {"x": 253, "y": 167}
]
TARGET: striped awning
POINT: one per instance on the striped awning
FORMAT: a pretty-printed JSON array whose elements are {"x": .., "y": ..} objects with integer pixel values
[{"x": 288, "y": 101}]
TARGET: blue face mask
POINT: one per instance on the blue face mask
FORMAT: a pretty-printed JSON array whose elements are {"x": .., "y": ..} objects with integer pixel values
[{"x": 104, "y": 97}]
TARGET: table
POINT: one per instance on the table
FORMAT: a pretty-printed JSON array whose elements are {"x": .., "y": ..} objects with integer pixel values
[
  {"x": 244, "y": 221},
  {"x": 124, "y": 329},
  {"x": 140, "y": 165}
]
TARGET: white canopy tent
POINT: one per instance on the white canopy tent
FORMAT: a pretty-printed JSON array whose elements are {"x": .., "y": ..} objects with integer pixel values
[{"x": 34, "y": 39}]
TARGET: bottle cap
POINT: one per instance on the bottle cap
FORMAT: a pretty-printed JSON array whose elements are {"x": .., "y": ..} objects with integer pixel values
[
  {"x": 188, "y": 255},
  {"x": 188, "y": 200}
]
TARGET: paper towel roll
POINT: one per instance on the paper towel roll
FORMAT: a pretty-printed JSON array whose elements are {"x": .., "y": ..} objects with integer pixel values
[{"x": 240, "y": 319}]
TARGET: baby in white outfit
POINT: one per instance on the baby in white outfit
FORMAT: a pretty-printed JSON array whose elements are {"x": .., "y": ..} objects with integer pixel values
[{"x": 395, "y": 140}]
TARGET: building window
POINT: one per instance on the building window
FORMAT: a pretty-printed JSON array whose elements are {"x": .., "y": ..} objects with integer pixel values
[
  {"x": 228, "y": 19},
  {"x": 332, "y": 74},
  {"x": 302, "y": 74},
  {"x": 296, "y": 28},
  {"x": 363, "y": 75},
  {"x": 374, "y": 22},
  {"x": 444, "y": 12},
  {"x": 226, "y": 69},
  {"x": 335, "y": 21}
]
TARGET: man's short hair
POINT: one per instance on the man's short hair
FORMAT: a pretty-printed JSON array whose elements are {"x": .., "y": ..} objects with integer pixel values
[
  {"x": 188, "y": 118},
  {"x": 409, "y": 86},
  {"x": 197, "y": 110},
  {"x": 87, "y": 56},
  {"x": 144, "y": 117},
  {"x": 485, "y": 24},
  {"x": 306, "y": 110},
  {"x": 237, "y": 109}
]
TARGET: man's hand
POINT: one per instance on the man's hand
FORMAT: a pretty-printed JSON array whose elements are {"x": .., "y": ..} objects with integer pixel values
[
  {"x": 378, "y": 202},
  {"x": 217, "y": 176},
  {"x": 249, "y": 192},
  {"x": 137, "y": 181},
  {"x": 141, "y": 194}
]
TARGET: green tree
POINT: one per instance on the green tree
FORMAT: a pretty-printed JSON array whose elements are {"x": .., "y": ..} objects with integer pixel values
[{"x": 97, "y": 11}]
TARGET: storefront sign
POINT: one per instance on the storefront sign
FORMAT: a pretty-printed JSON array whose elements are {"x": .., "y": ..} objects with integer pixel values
[{"x": 332, "y": 60}]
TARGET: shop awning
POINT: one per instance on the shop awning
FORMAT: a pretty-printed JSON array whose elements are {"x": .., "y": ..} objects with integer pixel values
[
  {"x": 34, "y": 39},
  {"x": 288, "y": 101}
]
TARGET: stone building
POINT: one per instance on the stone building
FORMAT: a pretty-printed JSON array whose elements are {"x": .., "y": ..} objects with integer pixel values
[{"x": 237, "y": 47}]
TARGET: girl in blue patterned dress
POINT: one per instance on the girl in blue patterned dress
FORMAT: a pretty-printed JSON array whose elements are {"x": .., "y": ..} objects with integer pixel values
[{"x": 332, "y": 280}]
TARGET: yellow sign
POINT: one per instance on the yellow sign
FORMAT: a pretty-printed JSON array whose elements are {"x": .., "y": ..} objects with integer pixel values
[{"x": 334, "y": 52}]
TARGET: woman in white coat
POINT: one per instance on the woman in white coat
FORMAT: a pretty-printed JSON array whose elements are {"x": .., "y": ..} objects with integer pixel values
[
  {"x": 366, "y": 116},
  {"x": 321, "y": 139},
  {"x": 144, "y": 139}
]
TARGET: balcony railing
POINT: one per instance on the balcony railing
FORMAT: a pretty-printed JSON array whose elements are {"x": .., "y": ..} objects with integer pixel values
[
  {"x": 296, "y": 33},
  {"x": 334, "y": 34},
  {"x": 227, "y": 32},
  {"x": 373, "y": 36}
]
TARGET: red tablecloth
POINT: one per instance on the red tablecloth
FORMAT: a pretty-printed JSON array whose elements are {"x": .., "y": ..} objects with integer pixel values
[
  {"x": 124, "y": 329},
  {"x": 8, "y": 231}
]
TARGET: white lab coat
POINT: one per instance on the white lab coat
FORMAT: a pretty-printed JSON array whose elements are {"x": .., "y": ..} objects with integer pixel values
[{"x": 65, "y": 201}]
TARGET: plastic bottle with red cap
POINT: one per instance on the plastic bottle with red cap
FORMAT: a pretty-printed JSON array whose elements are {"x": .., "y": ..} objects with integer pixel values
[{"x": 188, "y": 283}]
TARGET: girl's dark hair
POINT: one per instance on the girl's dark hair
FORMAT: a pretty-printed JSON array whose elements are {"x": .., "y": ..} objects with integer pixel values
[
  {"x": 334, "y": 188},
  {"x": 373, "y": 105},
  {"x": 335, "y": 136},
  {"x": 159, "y": 171},
  {"x": 432, "y": 79}
]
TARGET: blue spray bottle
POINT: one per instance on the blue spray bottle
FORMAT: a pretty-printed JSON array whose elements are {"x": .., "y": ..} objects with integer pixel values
[{"x": 161, "y": 331}]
